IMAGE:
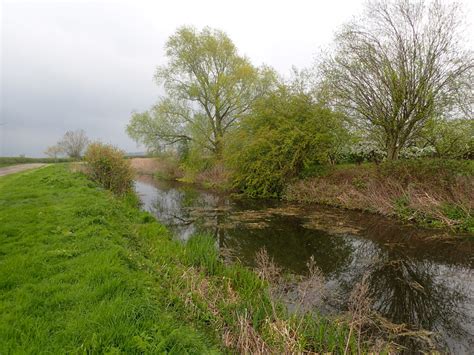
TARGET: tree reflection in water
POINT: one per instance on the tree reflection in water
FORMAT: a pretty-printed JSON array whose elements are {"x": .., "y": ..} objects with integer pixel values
[{"x": 419, "y": 293}]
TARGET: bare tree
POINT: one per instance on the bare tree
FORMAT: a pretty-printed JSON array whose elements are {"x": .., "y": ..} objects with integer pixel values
[
  {"x": 400, "y": 65},
  {"x": 74, "y": 143},
  {"x": 54, "y": 151}
]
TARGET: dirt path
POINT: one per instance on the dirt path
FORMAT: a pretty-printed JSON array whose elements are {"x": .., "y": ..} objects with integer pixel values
[{"x": 17, "y": 168}]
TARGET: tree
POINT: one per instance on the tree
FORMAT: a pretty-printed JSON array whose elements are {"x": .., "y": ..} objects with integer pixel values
[
  {"x": 54, "y": 151},
  {"x": 399, "y": 66},
  {"x": 450, "y": 138},
  {"x": 74, "y": 143},
  {"x": 209, "y": 87},
  {"x": 287, "y": 134}
]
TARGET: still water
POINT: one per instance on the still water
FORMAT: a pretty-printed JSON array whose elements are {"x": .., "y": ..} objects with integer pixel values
[{"x": 416, "y": 276}]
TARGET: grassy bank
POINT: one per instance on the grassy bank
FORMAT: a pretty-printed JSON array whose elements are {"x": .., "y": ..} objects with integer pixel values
[
  {"x": 430, "y": 192},
  {"x": 84, "y": 271}
]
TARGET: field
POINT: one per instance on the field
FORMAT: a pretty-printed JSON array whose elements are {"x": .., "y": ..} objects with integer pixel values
[{"x": 8, "y": 161}]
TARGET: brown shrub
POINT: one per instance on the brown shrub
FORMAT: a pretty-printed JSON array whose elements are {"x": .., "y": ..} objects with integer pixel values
[{"x": 107, "y": 166}]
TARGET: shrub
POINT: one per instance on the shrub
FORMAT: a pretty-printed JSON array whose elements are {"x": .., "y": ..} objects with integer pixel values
[
  {"x": 365, "y": 151},
  {"x": 287, "y": 135},
  {"x": 108, "y": 166}
]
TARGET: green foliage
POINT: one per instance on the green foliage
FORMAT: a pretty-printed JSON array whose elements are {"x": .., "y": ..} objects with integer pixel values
[
  {"x": 442, "y": 172},
  {"x": 286, "y": 135},
  {"x": 107, "y": 166},
  {"x": 201, "y": 251},
  {"x": 208, "y": 85},
  {"x": 452, "y": 139},
  {"x": 386, "y": 70}
]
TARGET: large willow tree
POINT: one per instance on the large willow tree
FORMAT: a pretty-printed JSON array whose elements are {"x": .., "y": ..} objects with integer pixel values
[
  {"x": 400, "y": 65},
  {"x": 208, "y": 85}
]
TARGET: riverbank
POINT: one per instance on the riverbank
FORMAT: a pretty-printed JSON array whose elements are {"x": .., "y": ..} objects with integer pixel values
[
  {"x": 431, "y": 193},
  {"x": 428, "y": 192},
  {"x": 84, "y": 271}
]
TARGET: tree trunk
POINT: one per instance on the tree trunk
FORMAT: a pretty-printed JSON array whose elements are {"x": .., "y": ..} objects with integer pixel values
[
  {"x": 393, "y": 147},
  {"x": 219, "y": 143},
  {"x": 218, "y": 148},
  {"x": 392, "y": 150}
]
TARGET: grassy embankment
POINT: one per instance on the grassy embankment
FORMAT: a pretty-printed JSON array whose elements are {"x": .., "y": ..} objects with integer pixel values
[
  {"x": 429, "y": 192},
  {"x": 8, "y": 161},
  {"x": 84, "y": 271}
]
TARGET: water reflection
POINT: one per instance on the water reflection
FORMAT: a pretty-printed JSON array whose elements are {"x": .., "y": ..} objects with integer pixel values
[{"x": 415, "y": 277}]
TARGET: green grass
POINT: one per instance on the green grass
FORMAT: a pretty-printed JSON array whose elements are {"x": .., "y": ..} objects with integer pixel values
[
  {"x": 82, "y": 271},
  {"x": 71, "y": 278}
]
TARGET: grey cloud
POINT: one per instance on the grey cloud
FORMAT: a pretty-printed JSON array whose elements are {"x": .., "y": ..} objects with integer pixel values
[{"x": 88, "y": 64}]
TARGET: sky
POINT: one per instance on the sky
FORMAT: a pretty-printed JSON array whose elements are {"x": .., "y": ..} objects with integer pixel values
[{"x": 68, "y": 65}]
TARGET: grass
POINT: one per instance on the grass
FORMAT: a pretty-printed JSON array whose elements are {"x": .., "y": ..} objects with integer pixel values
[
  {"x": 82, "y": 271},
  {"x": 429, "y": 192},
  {"x": 71, "y": 278}
]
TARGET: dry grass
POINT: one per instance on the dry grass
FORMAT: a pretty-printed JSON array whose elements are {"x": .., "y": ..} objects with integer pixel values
[
  {"x": 164, "y": 167},
  {"x": 366, "y": 323},
  {"x": 368, "y": 330},
  {"x": 246, "y": 313},
  {"x": 447, "y": 199},
  {"x": 360, "y": 308},
  {"x": 311, "y": 289},
  {"x": 217, "y": 177}
]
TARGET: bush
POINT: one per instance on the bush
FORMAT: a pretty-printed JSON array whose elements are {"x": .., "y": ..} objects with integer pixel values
[
  {"x": 107, "y": 166},
  {"x": 287, "y": 135},
  {"x": 365, "y": 151}
]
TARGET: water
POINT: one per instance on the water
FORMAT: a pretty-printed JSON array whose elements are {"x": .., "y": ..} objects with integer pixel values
[{"x": 416, "y": 276}]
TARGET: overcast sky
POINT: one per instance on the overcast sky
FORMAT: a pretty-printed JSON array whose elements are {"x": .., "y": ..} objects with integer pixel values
[{"x": 67, "y": 65}]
